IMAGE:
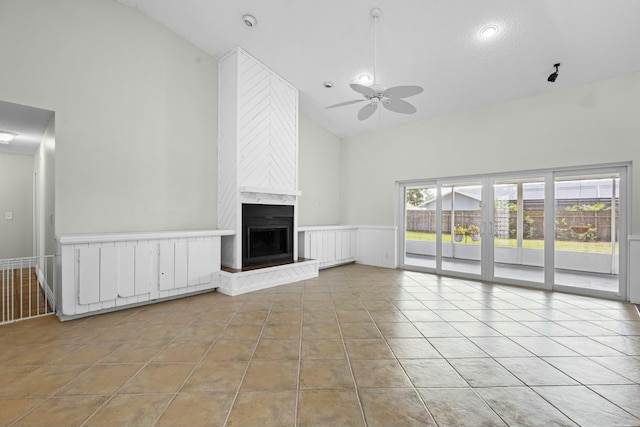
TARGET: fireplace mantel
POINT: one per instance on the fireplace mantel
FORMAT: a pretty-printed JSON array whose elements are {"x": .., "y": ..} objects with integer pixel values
[{"x": 267, "y": 191}]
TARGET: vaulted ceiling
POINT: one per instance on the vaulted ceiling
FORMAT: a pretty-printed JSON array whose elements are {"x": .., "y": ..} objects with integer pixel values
[{"x": 436, "y": 44}]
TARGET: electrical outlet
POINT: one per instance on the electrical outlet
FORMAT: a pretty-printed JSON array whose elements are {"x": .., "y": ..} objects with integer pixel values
[{"x": 8, "y": 216}]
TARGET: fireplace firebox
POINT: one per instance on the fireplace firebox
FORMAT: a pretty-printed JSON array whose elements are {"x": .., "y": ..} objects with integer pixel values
[{"x": 267, "y": 234}]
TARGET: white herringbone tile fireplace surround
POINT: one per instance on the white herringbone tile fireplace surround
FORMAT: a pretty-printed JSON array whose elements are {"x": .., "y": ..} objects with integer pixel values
[{"x": 257, "y": 162}]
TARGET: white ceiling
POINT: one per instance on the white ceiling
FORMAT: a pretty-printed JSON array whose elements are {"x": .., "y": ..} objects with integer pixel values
[
  {"x": 28, "y": 123},
  {"x": 431, "y": 43}
]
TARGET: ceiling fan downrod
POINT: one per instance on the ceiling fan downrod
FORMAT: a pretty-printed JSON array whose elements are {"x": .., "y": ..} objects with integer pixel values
[
  {"x": 391, "y": 98},
  {"x": 375, "y": 13}
]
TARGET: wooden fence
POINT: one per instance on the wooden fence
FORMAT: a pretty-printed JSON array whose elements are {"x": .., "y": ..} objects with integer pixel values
[{"x": 505, "y": 222}]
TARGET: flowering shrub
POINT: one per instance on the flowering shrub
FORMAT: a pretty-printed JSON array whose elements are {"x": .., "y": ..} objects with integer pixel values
[
  {"x": 473, "y": 230},
  {"x": 460, "y": 231}
]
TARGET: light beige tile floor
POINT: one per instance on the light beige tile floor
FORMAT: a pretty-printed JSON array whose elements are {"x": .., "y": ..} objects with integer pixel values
[{"x": 358, "y": 346}]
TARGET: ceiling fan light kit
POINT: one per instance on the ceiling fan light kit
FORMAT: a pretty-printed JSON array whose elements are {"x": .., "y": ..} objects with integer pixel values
[
  {"x": 391, "y": 98},
  {"x": 364, "y": 79}
]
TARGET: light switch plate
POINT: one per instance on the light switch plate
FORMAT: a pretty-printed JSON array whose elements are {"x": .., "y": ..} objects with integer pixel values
[{"x": 8, "y": 215}]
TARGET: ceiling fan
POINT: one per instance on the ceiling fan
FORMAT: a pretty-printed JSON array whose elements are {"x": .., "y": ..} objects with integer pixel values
[{"x": 390, "y": 98}]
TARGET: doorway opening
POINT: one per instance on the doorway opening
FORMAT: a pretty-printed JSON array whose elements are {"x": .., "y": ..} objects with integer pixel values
[{"x": 27, "y": 208}]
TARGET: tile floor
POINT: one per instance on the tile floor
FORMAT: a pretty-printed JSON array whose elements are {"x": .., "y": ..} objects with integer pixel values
[
  {"x": 573, "y": 279},
  {"x": 357, "y": 346}
]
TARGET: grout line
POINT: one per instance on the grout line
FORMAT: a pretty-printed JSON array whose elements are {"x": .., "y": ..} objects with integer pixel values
[
  {"x": 297, "y": 400},
  {"x": 244, "y": 374},
  {"x": 66, "y": 385},
  {"x": 134, "y": 376},
  {"x": 413, "y": 386},
  {"x": 344, "y": 345},
  {"x": 113, "y": 394},
  {"x": 196, "y": 365},
  {"x": 553, "y": 405},
  {"x": 609, "y": 400}
]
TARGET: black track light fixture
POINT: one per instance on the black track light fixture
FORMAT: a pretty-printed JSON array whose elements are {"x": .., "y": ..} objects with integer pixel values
[{"x": 553, "y": 76}]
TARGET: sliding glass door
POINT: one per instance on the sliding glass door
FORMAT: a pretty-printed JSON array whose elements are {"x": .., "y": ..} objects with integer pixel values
[
  {"x": 441, "y": 223},
  {"x": 564, "y": 230},
  {"x": 420, "y": 226},
  {"x": 587, "y": 231},
  {"x": 518, "y": 227},
  {"x": 461, "y": 217}
]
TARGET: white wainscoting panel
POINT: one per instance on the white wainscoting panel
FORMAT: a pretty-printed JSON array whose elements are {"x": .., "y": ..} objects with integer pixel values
[
  {"x": 377, "y": 246},
  {"x": 126, "y": 271},
  {"x": 329, "y": 245},
  {"x": 181, "y": 264},
  {"x": 167, "y": 265},
  {"x": 108, "y": 273},
  {"x": 201, "y": 265},
  {"x": 89, "y": 275},
  {"x": 100, "y": 273},
  {"x": 142, "y": 269}
]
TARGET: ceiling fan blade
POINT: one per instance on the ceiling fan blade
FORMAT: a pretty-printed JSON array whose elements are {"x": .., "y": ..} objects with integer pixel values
[
  {"x": 366, "y": 111},
  {"x": 399, "y": 106},
  {"x": 365, "y": 90},
  {"x": 342, "y": 104},
  {"x": 403, "y": 91}
]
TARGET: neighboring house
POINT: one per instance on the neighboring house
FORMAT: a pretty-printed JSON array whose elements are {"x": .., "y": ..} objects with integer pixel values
[
  {"x": 466, "y": 199},
  {"x": 568, "y": 193}
]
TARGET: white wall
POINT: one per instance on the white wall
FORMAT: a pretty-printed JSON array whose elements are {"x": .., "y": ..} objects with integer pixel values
[
  {"x": 582, "y": 125},
  {"x": 16, "y": 196},
  {"x": 136, "y": 127},
  {"x": 377, "y": 246},
  {"x": 136, "y": 115},
  {"x": 318, "y": 175},
  {"x": 44, "y": 168},
  {"x": 136, "y": 119}
]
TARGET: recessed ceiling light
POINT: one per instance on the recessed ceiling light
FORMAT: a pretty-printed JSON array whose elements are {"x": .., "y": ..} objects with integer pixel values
[
  {"x": 364, "y": 79},
  {"x": 488, "y": 31},
  {"x": 5, "y": 137},
  {"x": 328, "y": 85}
]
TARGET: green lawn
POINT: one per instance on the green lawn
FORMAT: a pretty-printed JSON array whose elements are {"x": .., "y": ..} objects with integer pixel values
[{"x": 597, "y": 247}]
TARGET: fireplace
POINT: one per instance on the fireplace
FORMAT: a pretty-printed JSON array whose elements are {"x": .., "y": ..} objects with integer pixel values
[{"x": 267, "y": 234}]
